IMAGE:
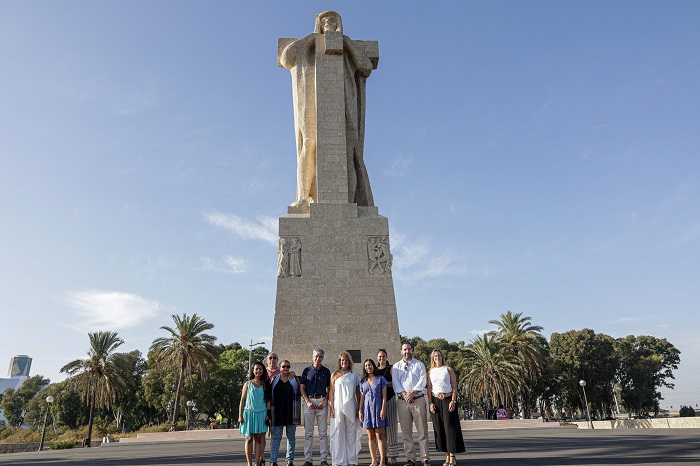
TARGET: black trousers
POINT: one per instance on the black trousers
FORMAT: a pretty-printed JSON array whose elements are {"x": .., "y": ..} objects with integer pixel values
[{"x": 446, "y": 427}]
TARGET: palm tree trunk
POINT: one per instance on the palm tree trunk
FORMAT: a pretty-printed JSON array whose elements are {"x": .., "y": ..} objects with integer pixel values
[
  {"x": 178, "y": 392},
  {"x": 92, "y": 418}
]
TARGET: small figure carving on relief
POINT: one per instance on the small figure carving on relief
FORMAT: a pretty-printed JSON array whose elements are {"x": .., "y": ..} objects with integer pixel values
[
  {"x": 282, "y": 259},
  {"x": 295, "y": 258},
  {"x": 379, "y": 256}
]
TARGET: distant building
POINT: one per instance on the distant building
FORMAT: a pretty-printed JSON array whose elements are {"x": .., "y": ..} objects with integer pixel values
[
  {"x": 17, "y": 374},
  {"x": 19, "y": 366}
]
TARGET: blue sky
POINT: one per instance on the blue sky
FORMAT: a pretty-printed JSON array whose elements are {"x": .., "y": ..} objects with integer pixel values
[{"x": 539, "y": 157}]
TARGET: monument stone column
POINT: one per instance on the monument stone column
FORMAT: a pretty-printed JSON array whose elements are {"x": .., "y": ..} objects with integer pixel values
[{"x": 334, "y": 284}]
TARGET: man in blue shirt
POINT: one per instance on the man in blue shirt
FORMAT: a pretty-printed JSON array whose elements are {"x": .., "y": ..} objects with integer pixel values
[{"x": 314, "y": 384}]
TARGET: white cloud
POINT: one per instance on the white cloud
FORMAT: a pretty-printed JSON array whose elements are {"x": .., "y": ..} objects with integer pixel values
[
  {"x": 109, "y": 310},
  {"x": 399, "y": 166},
  {"x": 228, "y": 264},
  {"x": 264, "y": 229},
  {"x": 625, "y": 319},
  {"x": 481, "y": 332},
  {"x": 416, "y": 260}
]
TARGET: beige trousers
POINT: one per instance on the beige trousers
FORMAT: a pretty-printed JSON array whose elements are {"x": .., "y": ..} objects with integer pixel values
[{"x": 410, "y": 414}]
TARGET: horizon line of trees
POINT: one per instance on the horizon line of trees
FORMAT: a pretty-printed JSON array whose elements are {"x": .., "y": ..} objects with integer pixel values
[{"x": 514, "y": 365}]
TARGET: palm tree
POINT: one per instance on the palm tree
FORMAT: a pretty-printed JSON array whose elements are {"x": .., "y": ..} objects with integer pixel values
[
  {"x": 525, "y": 342},
  {"x": 489, "y": 371},
  {"x": 100, "y": 377},
  {"x": 186, "y": 348}
]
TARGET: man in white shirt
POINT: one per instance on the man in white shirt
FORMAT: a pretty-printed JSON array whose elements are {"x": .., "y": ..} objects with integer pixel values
[{"x": 409, "y": 381}]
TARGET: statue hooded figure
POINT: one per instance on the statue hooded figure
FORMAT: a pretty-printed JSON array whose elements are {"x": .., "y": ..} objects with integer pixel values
[{"x": 300, "y": 58}]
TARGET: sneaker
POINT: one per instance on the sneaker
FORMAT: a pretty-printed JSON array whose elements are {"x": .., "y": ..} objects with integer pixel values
[
  {"x": 410, "y": 463},
  {"x": 426, "y": 462},
  {"x": 308, "y": 463},
  {"x": 291, "y": 463},
  {"x": 324, "y": 463},
  {"x": 274, "y": 463}
]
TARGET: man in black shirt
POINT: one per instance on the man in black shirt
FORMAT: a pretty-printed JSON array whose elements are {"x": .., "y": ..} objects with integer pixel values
[{"x": 315, "y": 382}]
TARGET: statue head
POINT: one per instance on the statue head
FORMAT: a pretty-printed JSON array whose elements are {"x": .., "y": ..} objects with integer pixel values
[{"x": 328, "y": 21}]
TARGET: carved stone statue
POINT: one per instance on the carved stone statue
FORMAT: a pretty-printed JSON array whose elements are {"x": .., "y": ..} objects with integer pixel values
[
  {"x": 289, "y": 258},
  {"x": 282, "y": 259},
  {"x": 295, "y": 258},
  {"x": 380, "y": 259},
  {"x": 301, "y": 56}
]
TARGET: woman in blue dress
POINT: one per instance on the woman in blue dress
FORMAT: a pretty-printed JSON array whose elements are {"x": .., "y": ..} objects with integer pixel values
[
  {"x": 373, "y": 410},
  {"x": 254, "y": 413}
]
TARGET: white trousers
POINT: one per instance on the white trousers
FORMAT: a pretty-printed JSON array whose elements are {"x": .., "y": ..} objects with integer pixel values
[{"x": 344, "y": 441}]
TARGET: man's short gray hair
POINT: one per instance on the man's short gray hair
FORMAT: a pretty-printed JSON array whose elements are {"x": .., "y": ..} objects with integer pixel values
[{"x": 318, "y": 350}]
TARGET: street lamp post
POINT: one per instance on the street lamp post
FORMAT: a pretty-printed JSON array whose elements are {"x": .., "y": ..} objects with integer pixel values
[
  {"x": 582, "y": 383},
  {"x": 250, "y": 353},
  {"x": 49, "y": 400},
  {"x": 189, "y": 418}
]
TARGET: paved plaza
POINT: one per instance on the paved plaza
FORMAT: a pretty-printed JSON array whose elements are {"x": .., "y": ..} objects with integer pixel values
[{"x": 559, "y": 446}]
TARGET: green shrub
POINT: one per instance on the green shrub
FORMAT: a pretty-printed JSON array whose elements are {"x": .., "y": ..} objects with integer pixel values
[
  {"x": 58, "y": 445},
  {"x": 686, "y": 411}
]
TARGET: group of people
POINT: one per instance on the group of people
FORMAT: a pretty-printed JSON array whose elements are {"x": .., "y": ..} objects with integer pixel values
[{"x": 380, "y": 400}]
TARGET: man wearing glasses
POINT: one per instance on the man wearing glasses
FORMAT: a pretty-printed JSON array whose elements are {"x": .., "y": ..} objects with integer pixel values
[
  {"x": 315, "y": 382},
  {"x": 273, "y": 369},
  {"x": 409, "y": 381}
]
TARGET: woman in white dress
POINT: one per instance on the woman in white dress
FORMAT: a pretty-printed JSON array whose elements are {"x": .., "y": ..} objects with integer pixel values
[{"x": 343, "y": 400}]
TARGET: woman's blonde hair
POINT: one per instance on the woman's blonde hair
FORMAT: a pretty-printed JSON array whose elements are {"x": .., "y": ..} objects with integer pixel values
[
  {"x": 347, "y": 356},
  {"x": 432, "y": 358}
]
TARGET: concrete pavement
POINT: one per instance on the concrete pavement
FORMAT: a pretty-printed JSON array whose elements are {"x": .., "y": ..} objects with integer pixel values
[{"x": 559, "y": 446}]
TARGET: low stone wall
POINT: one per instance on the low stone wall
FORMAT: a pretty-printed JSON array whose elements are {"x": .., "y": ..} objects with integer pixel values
[
  {"x": 18, "y": 447},
  {"x": 658, "y": 423},
  {"x": 32, "y": 446}
]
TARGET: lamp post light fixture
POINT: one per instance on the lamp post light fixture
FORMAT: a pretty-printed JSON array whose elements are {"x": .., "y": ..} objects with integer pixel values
[
  {"x": 582, "y": 383},
  {"x": 250, "y": 353},
  {"x": 187, "y": 421},
  {"x": 49, "y": 400}
]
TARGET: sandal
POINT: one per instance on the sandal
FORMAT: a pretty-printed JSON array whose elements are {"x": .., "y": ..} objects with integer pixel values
[{"x": 453, "y": 460}]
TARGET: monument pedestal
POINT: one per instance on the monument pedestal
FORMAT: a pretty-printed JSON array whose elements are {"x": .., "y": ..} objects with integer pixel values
[{"x": 344, "y": 298}]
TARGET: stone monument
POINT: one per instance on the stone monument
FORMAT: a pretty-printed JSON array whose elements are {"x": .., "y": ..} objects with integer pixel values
[{"x": 334, "y": 284}]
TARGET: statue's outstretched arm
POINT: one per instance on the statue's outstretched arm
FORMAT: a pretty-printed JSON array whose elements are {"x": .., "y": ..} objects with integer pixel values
[
  {"x": 358, "y": 56},
  {"x": 291, "y": 52}
]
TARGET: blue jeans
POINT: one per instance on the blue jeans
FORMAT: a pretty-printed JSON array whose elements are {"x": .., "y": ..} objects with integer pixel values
[{"x": 277, "y": 439}]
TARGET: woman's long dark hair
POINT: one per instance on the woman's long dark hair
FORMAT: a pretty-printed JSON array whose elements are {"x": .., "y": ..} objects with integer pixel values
[
  {"x": 267, "y": 389},
  {"x": 365, "y": 374}
]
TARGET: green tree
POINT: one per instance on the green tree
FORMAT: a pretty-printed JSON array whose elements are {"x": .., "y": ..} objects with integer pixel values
[
  {"x": 646, "y": 364},
  {"x": 524, "y": 341},
  {"x": 158, "y": 389},
  {"x": 222, "y": 390},
  {"x": 487, "y": 370},
  {"x": 101, "y": 377},
  {"x": 186, "y": 348},
  {"x": 67, "y": 408},
  {"x": 130, "y": 411},
  {"x": 14, "y": 402},
  {"x": 584, "y": 355}
]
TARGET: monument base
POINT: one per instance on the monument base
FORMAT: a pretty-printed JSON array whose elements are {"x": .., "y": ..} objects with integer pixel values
[{"x": 344, "y": 298}]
